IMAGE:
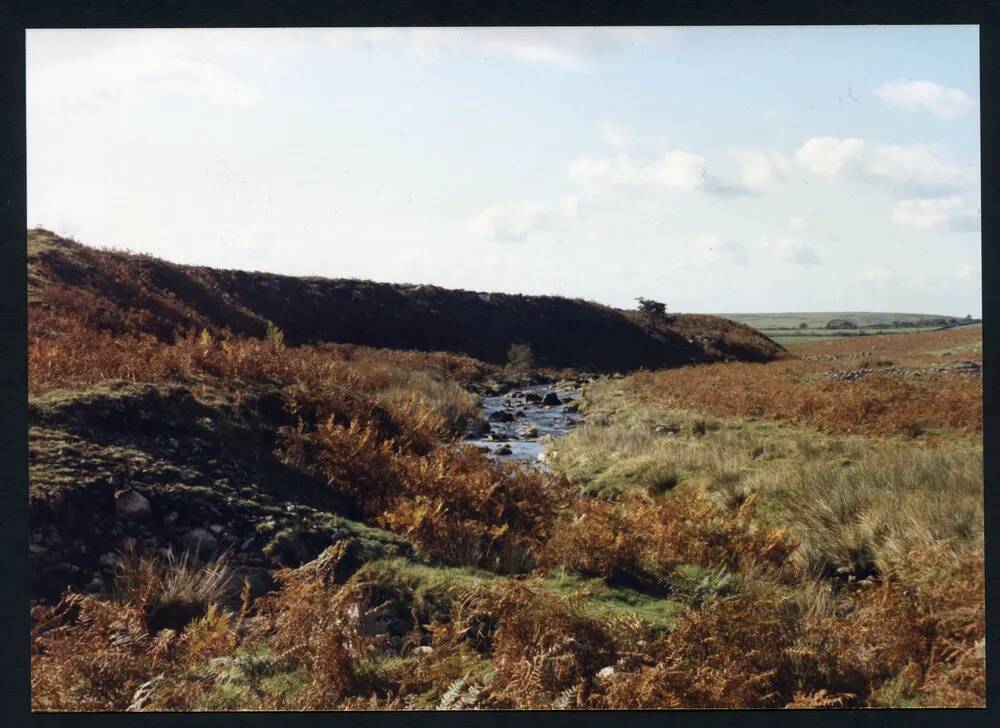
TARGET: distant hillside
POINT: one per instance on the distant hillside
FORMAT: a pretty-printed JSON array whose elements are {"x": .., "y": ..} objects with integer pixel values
[
  {"x": 765, "y": 321},
  {"x": 128, "y": 293}
]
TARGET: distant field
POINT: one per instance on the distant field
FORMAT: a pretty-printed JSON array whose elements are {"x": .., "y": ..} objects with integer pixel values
[
  {"x": 791, "y": 337},
  {"x": 792, "y": 320}
]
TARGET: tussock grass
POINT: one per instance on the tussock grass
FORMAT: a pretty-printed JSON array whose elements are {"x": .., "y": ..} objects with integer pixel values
[
  {"x": 173, "y": 590},
  {"x": 877, "y": 512}
]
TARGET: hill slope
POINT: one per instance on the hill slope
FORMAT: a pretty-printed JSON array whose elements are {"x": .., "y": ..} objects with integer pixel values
[{"x": 128, "y": 293}]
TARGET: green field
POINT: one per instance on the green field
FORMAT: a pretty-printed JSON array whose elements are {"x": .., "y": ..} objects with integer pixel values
[
  {"x": 817, "y": 320},
  {"x": 791, "y": 337},
  {"x": 786, "y": 328}
]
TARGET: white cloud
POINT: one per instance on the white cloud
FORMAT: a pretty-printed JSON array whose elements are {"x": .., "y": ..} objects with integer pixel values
[
  {"x": 676, "y": 169},
  {"x": 969, "y": 273},
  {"x": 712, "y": 249},
  {"x": 915, "y": 169},
  {"x": 942, "y": 101},
  {"x": 761, "y": 169},
  {"x": 951, "y": 212},
  {"x": 624, "y": 138},
  {"x": 516, "y": 222},
  {"x": 799, "y": 224},
  {"x": 828, "y": 155},
  {"x": 878, "y": 274},
  {"x": 570, "y": 48},
  {"x": 160, "y": 61},
  {"x": 788, "y": 249}
]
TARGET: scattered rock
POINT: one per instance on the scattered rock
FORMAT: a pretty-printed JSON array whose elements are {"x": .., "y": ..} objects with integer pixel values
[
  {"x": 504, "y": 450},
  {"x": 501, "y": 416},
  {"x": 131, "y": 506},
  {"x": 532, "y": 397},
  {"x": 667, "y": 429},
  {"x": 201, "y": 541},
  {"x": 551, "y": 399}
]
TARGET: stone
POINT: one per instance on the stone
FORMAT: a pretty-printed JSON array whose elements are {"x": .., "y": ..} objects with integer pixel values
[
  {"x": 132, "y": 506},
  {"x": 606, "y": 673},
  {"x": 501, "y": 416},
  {"x": 551, "y": 399},
  {"x": 110, "y": 560},
  {"x": 423, "y": 650},
  {"x": 216, "y": 528},
  {"x": 201, "y": 540}
]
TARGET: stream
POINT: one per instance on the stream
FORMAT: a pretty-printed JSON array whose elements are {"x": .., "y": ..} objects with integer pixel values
[{"x": 521, "y": 422}]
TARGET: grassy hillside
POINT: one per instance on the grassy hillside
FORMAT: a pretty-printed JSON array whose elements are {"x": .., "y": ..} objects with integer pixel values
[
  {"x": 126, "y": 293},
  {"x": 222, "y": 521}
]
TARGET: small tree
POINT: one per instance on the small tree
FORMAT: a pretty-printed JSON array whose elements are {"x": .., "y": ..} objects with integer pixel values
[
  {"x": 653, "y": 310},
  {"x": 275, "y": 336},
  {"x": 520, "y": 357}
]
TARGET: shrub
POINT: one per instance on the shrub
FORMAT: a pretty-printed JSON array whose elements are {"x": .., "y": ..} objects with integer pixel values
[{"x": 520, "y": 358}]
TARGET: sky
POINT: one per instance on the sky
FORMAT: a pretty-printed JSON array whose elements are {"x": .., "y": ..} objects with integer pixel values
[{"x": 717, "y": 169}]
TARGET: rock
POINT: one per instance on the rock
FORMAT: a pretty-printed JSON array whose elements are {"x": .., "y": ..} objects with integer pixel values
[
  {"x": 551, "y": 399},
  {"x": 606, "y": 673},
  {"x": 131, "y": 506},
  {"x": 479, "y": 427},
  {"x": 216, "y": 528},
  {"x": 501, "y": 416},
  {"x": 423, "y": 650},
  {"x": 201, "y": 541},
  {"x": 37, "y": 550},
  {"x": 529, "y": 432},
  {"x": 110, "y": 560},
  {"x": 667, "y": 429},
  {"x": 533, "y": 397},
  {"x": 95, "y": 584},
  {"x": 173, "y": 443},
  {"x": 573, "y": 406},
  {"x": 504, "y": 450},
  {"x": 245, "y": 546},
  {"x": 258, "y": 580}
]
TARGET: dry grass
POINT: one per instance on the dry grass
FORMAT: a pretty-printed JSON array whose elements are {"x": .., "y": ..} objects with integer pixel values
[
  {"x": 813, "y": 570},
  {"x": 795, "y": 389}
]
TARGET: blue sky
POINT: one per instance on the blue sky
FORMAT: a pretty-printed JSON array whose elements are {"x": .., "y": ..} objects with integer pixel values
[{"x": 716, "y": 169}]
